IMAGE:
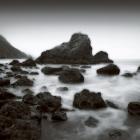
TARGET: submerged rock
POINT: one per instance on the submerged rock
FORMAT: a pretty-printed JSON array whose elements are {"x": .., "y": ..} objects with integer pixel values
[
  {"x": 111, "y": 104},
  {"x": 71, "y": 76},
  {"x": 85, "y": 67},
  {"x": 77, "y": 51},
  {"x": 63, "y": 88},
  {"x": 134, "y": 108},
  {"x": 88, "y": 100},
  {"x": 110, "y": 69},
  {"x": 59, "y": 116},
  {"x": 128, "y": 75},
  {"x": 23, "y": 81},
  {"x": 91, "y": 122}
]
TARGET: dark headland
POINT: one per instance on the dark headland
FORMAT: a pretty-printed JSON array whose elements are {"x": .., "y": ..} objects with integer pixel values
[{"x": 7, "y": 51}]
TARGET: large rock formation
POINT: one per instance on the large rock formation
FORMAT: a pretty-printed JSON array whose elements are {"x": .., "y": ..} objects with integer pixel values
[
  {"x": 77, "y": 51},
  {"x": 8, "y": 51}
]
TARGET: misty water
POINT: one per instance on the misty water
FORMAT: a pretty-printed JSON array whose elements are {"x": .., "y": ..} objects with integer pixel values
[{"x": 118, "y": 89}]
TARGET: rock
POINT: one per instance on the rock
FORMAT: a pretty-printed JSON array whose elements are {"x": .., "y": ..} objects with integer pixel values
[
  {"x": 48, "y": 103},
  {"x": 23, "y": 81},
  {"x": 77, "y": 51},
  {"x": 5, "y": 95},
  {"x": 51, "y": 70},
  {"x": 128, "y": 75},
  {"x": 10, "y": 74},
  {"x": 134, "y": 108},
  {"x": 111, "y": 104},
  {"x": 28, "y": 91},
  {"x": 91, "y": 122},
  {"x": 110, "y": 69},
  {"x": 138, "y": 70},
  {"x": 34, "y": 73},
  {"x": 30, "y": 99},
  {"x": 43, "y": 89},
  {"x": 4, "y": 82},
  {"x": 71, "y": 76},
  {"x": 63, "y": 88},
  {"x": 28, "y": 63},
  {"x": 15, "y": 109},
  {"x": 15, "y": 63},
  {"x": 16, "y": 69},
  {"x": 59, "y": 116},
  {"x": 88, "y": 100},
  {"x": 85, "y": 66}
]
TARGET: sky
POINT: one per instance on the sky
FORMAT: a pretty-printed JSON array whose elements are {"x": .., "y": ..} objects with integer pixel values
[{"x": 35, "y": 26}]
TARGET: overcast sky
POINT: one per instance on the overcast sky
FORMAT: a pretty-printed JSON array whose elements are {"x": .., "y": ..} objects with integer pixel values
[{"x": 35, "y": 27}]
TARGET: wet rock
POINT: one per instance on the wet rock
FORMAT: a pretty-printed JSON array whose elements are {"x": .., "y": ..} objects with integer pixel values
[
  {"x": 77, "y": 51},
  {"x": 85, "y": 67},
  {"x": 34, "y": 73},
  {"x": 28, "y": 91},
  {"x": 43, "y": 89},
  {"x": 30, "y": 99},
  {"x": 1, "y": 65},
  {"x": 4, "y": 82},
  {"x": 5, "y": 95},
  {"x": 48, "y": 103},
  {"x": 15, "y": 109},
  {"x": 16, "y": 69},
  {"x": 24, "y": 72},
  {"x": 23, "y": 81},
  {"x": 88, "y": 100},
  {"x": 134, "y": 108},
  {"x": 128, "y": 75},
  {"x": 59, "y": 116},
  {"x": 82, "y": 70},
  {"x": 63, "y": 88},
  {"x": 15, "y": 63},
  {"x": 28, "y": 63},
  {"x": 138, "y": 70},
  {"x": 10, "y": 74},
  {"x": 91, "y": 122},
  {"x": 110, "y": 69},
  {"x": 111, "y": 104},
  {"x": 71, "y": 76},
  {"x": 51, "y": 70}
]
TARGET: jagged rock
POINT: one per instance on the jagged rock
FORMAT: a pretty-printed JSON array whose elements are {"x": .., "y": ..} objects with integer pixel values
[
  {"x": 28, "y": 63},
  {"x": 88, "y": 100},
  {"x": 52, "y": 71},
  {"x": 91, "y": 122},
  {"x": 23, "y": 81},
  {"x": 110, "y": 69},
  {"x": 59, "y": 116},
  {"x": 71, "y": 76},
  {"x": 77, "y": 51},
  {"x": 134, "y": 108},
  {"x": 4, "y": 82},
  {"x": 8, "y": 51}
]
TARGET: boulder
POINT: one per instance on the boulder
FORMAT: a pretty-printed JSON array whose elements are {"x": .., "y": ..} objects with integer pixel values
[
  {"x": 4, "y": 82},
  {"x": 28, "y": 63},
  {"x": 48, "y": 103},
  {"x": 59, "y": 116},
  {"x": 91, "y": 122},
  {"x": 88, "y": 100},
  {"x": 110, "y": 69},
  {"x": 71, "y": 76},
  {"x": 77, "y": 51},
  {"x": 134, "y": 108},
  {"x": 51, "y": 70},
  {"x": 23, "y": 81},
  {"x": 15, "y": 110},
  {"x": 30, "y": 99}
]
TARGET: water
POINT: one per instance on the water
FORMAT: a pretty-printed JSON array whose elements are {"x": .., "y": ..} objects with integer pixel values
[{"x": 118, "y": 89}]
